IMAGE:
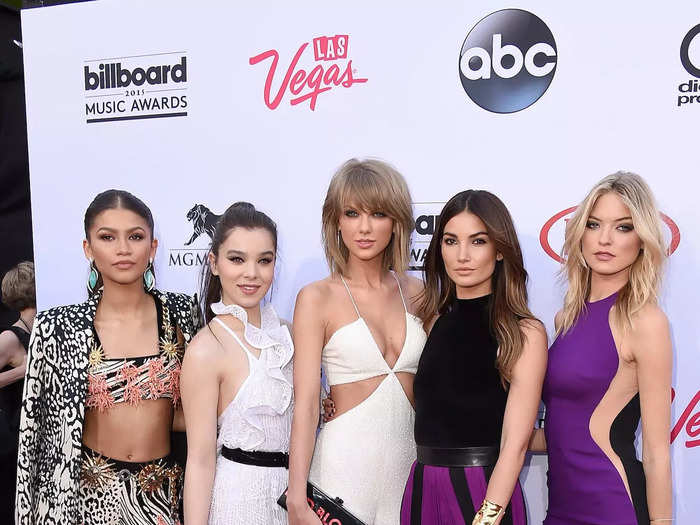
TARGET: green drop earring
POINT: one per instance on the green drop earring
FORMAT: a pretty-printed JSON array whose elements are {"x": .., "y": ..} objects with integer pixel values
[
  {"x": 149, "y": 278},
  {"x": 93, "y": 278}
]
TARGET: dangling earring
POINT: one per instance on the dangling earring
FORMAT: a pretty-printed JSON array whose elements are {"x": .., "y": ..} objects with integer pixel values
[
  {"x": 93, "y": 278},
  {"x": 338, "y": 238},
  {"x": 149, "y": 278}
]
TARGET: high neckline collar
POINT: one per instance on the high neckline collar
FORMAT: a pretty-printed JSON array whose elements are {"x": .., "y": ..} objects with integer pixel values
[
  {"x": 609, "y": 299},
  {"x": 473, "y": 303},
  {"x": 238, "y": 312}
]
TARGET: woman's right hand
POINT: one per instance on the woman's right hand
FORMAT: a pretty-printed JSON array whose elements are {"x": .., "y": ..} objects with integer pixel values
[
  {"x": 328, "y": 409},
  {"x": 301, "y": 514}
]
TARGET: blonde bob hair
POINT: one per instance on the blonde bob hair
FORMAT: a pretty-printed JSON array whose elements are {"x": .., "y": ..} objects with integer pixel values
[
  {"x": 371, "y": 185},
  {"x": 18, "y": 291},
  {"x": 645, "y": 273}
]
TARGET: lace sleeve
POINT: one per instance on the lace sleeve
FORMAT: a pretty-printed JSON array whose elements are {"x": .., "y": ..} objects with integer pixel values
[{"x": 30, "y": 428}]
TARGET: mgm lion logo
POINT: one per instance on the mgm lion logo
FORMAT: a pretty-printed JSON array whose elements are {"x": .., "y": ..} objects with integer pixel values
[{"x": 203, "y": 221}]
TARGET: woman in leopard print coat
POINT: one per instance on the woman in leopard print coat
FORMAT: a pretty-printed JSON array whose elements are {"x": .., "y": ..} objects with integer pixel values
[{"x": 71, "y": 383}]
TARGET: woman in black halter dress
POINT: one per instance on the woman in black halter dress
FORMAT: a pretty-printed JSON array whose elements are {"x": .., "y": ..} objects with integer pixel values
[{"x": 18, "y": 294}]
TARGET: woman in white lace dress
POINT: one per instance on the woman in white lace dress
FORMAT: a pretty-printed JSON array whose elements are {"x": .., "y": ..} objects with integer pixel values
[{"x": 237, "y": 382}]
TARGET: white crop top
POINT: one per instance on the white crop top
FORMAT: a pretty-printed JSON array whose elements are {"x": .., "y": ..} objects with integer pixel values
[{"x": 352, "y": 354}]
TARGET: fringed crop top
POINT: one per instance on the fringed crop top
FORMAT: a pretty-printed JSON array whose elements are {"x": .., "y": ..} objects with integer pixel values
[{"x": 132, "y": 380}]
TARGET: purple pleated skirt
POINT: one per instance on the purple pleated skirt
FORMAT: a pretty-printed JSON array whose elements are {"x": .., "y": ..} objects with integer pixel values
[{"x": 452, "y": 496}]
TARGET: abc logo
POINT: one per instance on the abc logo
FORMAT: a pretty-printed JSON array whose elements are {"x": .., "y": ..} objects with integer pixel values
[
  {"x": 507, "y": 61},
  {"x": 690, "y": 41}
]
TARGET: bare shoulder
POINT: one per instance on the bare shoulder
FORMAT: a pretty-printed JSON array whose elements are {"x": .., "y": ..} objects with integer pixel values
[
  {"x": 410, "y": 283},
  {"x": 534, "y": 332},
  {"x": 8, "y": 336},
  {"x": 9, "y": 342},
  {"x": 203, "y": 351},
  {"x": 412, "y": 287},
  {"x": 315, "y": 292},
  {"x": 317, "y": 295},
  {"x": 533, "y": 327},
  {"x": 649, "y": 323}
]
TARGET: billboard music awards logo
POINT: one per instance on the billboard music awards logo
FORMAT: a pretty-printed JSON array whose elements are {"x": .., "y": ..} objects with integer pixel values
[
  {"x": 507, "y": 61},
  {"x": 203, "y": 225},
  {"x": 426, "y": 216},
  {"x": 558, "y": 224},
  {"x": 135, "y": 87},
  {"x": 689, "y": 92},
  {"x": 331, "y": 69}
]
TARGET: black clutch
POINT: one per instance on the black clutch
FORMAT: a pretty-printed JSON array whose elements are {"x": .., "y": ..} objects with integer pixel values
[{"x": 329, "y": 510}]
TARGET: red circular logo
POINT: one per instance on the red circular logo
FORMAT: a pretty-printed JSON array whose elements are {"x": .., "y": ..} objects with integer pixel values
[{"x": 547, "y": 247}]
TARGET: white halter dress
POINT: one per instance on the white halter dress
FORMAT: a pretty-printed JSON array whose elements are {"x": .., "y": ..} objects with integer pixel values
[
  {"x": 258, "y": 419},
  {"x": 364, "y": 455}
]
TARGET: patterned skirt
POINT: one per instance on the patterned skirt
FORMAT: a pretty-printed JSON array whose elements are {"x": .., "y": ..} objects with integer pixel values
[
  {"x": 126, "y": 493},
  {"x": 452, "y": 496}
]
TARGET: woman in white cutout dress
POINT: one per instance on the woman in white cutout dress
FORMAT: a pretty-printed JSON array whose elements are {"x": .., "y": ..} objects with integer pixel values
[
  {"x": 237, "y": 384},
  {"x": 357, "y": 324}
]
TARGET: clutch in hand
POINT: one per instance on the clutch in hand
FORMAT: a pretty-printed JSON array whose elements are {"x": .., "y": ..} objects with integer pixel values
[{"x": 329, "y": 510}]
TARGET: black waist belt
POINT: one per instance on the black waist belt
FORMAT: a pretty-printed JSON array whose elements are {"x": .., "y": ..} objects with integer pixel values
[
  {"x": 259, "y": 459},
  {"x": 458, "y": 457}
]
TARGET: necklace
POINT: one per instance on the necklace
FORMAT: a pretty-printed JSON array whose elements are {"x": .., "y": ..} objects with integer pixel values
[{"x": 25, "y": 324}]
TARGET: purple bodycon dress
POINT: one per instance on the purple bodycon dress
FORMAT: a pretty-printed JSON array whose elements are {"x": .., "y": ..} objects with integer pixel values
[{"x": 590, "y": 471}]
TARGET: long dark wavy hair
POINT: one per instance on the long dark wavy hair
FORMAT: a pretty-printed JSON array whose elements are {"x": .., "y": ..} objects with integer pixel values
[
  {"x": 509, "y": 303},
  {"x": 238, "y": 215}
]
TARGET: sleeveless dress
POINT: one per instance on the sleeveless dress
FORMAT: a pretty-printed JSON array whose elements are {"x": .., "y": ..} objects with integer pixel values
[
  {"x": 460, "y": 404},
  {"x": 258, "y": 419},
  {"x": 585, "y": 487},
  {"x": 10, "y": 408},
  {"x": 364, "y": 455}
]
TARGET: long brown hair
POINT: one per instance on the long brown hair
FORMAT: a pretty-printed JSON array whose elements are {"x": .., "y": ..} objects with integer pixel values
[{"x": 508, "y": 305}]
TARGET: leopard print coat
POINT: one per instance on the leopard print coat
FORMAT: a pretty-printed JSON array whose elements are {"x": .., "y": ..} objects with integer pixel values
[{"x": 53, "y": 406}]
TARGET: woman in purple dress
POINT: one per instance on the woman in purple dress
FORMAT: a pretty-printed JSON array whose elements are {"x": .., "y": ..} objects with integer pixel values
[{"x": 610, "y": 366}]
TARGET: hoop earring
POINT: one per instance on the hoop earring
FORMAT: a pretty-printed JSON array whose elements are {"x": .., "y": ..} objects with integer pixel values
[
  {"x": 149, "y": 278},
  {"x": 93, "y": 278}
]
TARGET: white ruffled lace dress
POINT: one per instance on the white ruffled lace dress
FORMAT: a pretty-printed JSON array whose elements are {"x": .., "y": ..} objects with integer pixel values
[{"x": 258, "y": 419}]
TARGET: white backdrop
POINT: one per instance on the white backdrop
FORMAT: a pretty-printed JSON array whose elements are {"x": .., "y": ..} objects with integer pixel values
[{"x": 612, "y": 104}]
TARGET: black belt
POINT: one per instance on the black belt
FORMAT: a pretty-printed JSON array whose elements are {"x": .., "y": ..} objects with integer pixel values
[
  {"x": 458, "y": 457},
  {"x": 259, "y": 459}
]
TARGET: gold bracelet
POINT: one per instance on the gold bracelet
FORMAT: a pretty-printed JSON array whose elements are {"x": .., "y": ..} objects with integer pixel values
[
  {"x": 661, "y": 519},
  {"x": 488, "y": 513}
]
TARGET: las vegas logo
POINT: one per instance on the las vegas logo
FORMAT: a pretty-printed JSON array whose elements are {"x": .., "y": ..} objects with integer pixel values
[{"x": 331, "y": 69}]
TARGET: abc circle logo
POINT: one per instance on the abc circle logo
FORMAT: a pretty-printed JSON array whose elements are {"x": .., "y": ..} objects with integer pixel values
[
  {"x": 690, "y": 41},
  {"x": 508, "y": 61}
]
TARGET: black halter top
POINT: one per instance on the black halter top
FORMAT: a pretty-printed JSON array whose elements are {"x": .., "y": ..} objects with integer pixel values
[
  {"x": 11, "y": 395},
  {"x": 459, "y": 398}
]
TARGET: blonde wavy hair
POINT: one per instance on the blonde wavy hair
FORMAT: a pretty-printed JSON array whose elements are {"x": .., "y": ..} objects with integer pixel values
[
  {"x": 645, "y": 273},
  {"x": 372, "y": 185}
]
